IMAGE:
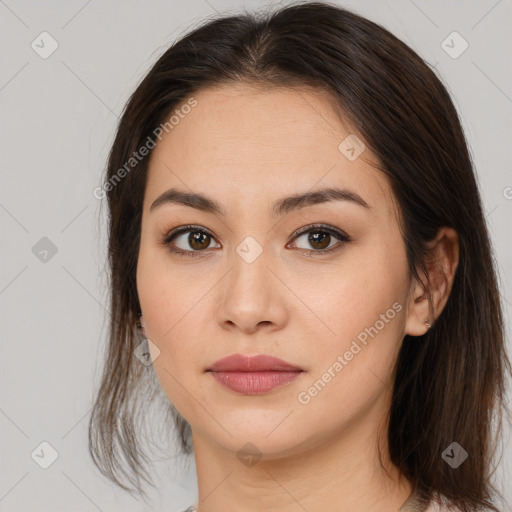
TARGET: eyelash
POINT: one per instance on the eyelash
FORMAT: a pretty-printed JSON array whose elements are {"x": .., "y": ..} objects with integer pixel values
[{"x": 319, "y": 228}]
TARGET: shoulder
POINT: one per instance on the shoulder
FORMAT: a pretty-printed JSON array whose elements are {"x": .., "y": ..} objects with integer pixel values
[
  {"x": 442, "y": 505},
  {"x": 435, "y": 506}
]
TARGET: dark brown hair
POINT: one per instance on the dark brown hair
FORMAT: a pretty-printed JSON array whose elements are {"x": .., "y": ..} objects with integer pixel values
[{"x": 449, "y": 383}]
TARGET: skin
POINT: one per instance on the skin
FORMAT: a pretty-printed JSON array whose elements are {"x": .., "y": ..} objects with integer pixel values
[{"x": 247, "y": 147}]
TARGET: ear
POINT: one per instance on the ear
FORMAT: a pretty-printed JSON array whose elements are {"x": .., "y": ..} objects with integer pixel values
[{"x": 428, "y": 298}]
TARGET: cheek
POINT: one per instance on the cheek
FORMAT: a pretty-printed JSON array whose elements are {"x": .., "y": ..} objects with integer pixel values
[
  {"x": 175, "y": 302},
  {"x": 167, "y": 291},
  {"x": 354, "y": 367},
  {"x": 351, "y": 296},
  {"x": 175, "y": 324},
  {"x": 365, "y": 307}
]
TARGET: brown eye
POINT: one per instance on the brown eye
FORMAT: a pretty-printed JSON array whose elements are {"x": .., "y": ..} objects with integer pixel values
[
  {"x": 188, "y": 240},
  {"x": 199, "y": 240},
  {"x": 320, "y": 239},
  {"x": 192, "y": 240}
]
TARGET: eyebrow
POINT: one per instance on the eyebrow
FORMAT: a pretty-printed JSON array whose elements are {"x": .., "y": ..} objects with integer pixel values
[{"x": 280, "y": 207}]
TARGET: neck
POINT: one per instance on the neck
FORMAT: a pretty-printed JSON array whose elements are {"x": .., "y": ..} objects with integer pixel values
[{"x": 342, "y": 474}]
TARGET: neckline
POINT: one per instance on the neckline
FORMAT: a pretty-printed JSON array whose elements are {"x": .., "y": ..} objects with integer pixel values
[{"x": 412, "y": 504}]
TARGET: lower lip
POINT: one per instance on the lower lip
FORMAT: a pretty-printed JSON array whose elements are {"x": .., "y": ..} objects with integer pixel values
[{"x": 254, "y": 383}]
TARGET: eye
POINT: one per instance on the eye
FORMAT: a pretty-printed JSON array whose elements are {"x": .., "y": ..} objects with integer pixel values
[
  {"x": 193, "y": 239},
  {"x": 321, "y": 238}
]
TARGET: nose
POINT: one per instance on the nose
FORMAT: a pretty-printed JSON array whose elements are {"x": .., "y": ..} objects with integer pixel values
[{"x": 252, "y": 297}]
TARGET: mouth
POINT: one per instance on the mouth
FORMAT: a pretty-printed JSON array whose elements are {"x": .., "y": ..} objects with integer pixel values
[{"x": 253, "y": 375}]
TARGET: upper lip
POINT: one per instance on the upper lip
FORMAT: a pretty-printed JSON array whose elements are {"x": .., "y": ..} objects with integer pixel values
[{"x": 261, "y": 362}]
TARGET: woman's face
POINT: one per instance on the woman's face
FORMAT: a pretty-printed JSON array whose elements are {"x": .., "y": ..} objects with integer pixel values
[{"x": 247, "y": 284}]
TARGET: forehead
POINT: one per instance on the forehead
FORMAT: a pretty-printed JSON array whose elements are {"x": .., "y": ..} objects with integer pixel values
[
  {"x": 257, "y": 116},
  {"x": 259, "y": 141}
]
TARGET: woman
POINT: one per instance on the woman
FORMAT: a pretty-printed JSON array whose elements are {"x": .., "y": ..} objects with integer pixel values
[{"x": 299, "y": 257}]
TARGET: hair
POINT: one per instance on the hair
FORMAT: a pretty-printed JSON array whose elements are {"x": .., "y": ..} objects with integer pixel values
[{"x": 449, "y": 383}]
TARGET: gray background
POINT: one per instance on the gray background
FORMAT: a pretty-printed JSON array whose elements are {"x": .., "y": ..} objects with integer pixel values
[{"x": 58, "y": 117}]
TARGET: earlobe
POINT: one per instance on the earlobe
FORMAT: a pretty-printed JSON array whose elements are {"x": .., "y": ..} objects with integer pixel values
[
  {"x": 419, "y": 316},
  {"x": 429, "y": 297}
]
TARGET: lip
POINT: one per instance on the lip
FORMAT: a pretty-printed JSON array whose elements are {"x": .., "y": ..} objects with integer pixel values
[
  {"x": 253, "y": 375},
  {"x": 257, "y": 363}
]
